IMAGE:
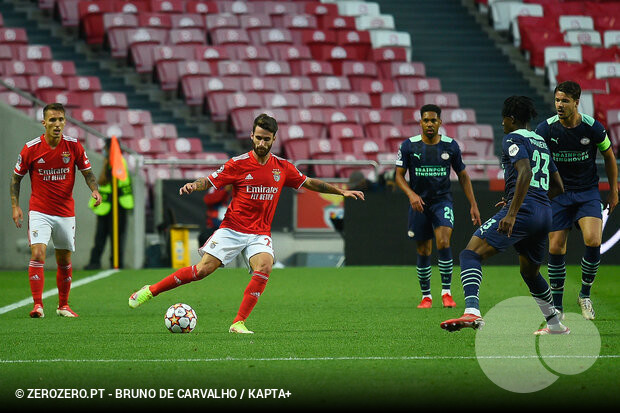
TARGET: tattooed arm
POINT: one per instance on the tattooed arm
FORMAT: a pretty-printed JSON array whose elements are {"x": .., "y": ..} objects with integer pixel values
[
  {"x": 91, "y": 181},
  {"x": 18, "y": 214},
  {"x": 317, "y": 185},
  {"x": 200, "y": 184}
]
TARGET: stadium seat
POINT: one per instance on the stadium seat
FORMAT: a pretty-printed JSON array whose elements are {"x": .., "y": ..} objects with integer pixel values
[
  {"x": 281, "y": 100},
  {"x": 253, "y": 23},
  {"x": 167, "y": 6},
  {"x": 185, "y": 145},
  {"x": 358, "y": 71},
  {"x": 110, "y": 99},
  {"x": 354, "y": 100},
  {"x": 297, "y": 23},
  {"x": 296, "y": 84},
  {"x": 461, "y": 115},
  {"x": 441, "y": 99},
  {"x": 57, "y": 67},
  {"x": 86, "y": 84},
  {"x": 13, "y": 36},
  {"x": 377, "y": 22},
  {"x": 234, "y": 68},
  {"x": 221, "y": 21},
  {"x": 376, "y": 88},
  {"x": 273, "y": 68},
  {"x": 331, "y": 83},
  {"x": 20, "y": 82},
  {"x": 51, "y": 82},
  {"x": 201, "y": 7},
  {"x": 337, "y": 23},
  {"x": 146, "y": 146},
  {"x": 68, "y": 13},
  {"x": 403, "y": 70},
  {"x": 583, "y": 37},
  {"x": 91, "y": 19},
  {"x": 398, "y": 100},
  {"x": 160, "y": 131},
  {"x": 38, "y": 53},
  {"x": 212, "y": 54},
  {"x": 604, "y": 70},
  {"x": 132, "y": 6},
  {"x": 259, "y": 84},
  {"x": 227, "y": 36},
  {"x": 318, "y": 39},
  {"x": 15, "y": 100},
  {"x": 476, "y": 132},
  {"x": 187, "y": 36},
  {"x": 19, "y": 68},
  {"x": 187, "y": 20},
  {"x": 215, "y": 90},
  {"x": 322, "y": 11},
  {"x": 347, "y": 134},
  {"x": 611, "y": 38},
  {"x": 275, "y": 36},
  {"x": 391, "y": 38},
  {"x": 503, "y": 13},
  {"x": 340, "y": 116},
  {"x": 313, "y": 68},
  {"x": 318, "y": 100},
  {"x": 237, "y": 7},
  {"x": 312, "y": 117},
  {"x": 120, "y": 131},
  {"x": 358, "y": 8},
  {"x": 327, "y": 150},
  {"x": 356, "y": 43}
]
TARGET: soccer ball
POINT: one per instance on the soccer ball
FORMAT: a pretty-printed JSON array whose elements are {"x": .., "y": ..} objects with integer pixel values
[{"x": 180, "y": 318}]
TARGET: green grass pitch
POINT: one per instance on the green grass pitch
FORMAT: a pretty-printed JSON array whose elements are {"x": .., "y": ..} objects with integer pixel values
[{"x": 347, "y": 337}]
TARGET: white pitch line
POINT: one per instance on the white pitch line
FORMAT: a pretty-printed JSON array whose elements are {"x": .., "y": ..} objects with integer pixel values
[
  {"x": 225, "y": 359},
  {"x": 50, "y": 293}
]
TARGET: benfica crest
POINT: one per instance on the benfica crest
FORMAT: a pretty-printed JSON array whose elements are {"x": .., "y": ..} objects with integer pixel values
[
  {"x": 66, "y": 157},
  {"x": 276, "y": 175}
]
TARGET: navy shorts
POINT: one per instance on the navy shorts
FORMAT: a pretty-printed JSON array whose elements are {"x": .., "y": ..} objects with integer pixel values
[
  {"x": 422, "y": 224},
  {"x": 529, "y": 234},
  {"x": 571, "y": 206}
]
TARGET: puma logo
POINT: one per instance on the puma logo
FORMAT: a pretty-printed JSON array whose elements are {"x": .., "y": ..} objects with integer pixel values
[{"x": 417, "y": 155}]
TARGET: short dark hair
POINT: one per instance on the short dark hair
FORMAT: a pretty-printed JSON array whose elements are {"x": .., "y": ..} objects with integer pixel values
[
  {"x": 266, "y": 122},
  {"x": 53, "y": 106},
  {"x": 519, "y": 107},
  {"x": 430, "y": 108},
  {"x": 572, "y": 89}
]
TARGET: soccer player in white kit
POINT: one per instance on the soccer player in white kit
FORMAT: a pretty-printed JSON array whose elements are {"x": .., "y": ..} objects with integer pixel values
[
  {"x": 51, "y": 160},
  {"x": 257, "y": 178}
]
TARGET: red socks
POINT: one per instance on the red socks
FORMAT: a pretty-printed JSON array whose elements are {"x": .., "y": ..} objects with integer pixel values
[
  {"x": 251, "y": 294},
  {"x": 63, "y": 281},
  {"x": 35, "y": 275},
  {"x": 179, "y": 277}
]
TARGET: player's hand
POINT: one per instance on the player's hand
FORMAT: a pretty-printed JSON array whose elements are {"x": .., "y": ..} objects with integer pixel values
[
  {"x": 18, "y": 216},
  {"x": 417, "y": 203},
  {"x": 506, "y": 225},
  {"x": 188, "y": 188},
  {"x": 612, "y": 202},
  {"x": 97, "y": 197},
  {"x": 475, "y": 215},
  {"x": 501, "y": 203},
  {"x": 353, "y": 194}
]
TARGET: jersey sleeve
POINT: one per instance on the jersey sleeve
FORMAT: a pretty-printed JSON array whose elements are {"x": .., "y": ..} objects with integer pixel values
[
  {"x": 294, "y": 178},
  {"x": 23, "y": 162},
  {"x": 599, "y": 136},
  {"x": 457, "y": 159},
  {"x": 223, "y": 176},
  {"x": 402, "y": 158},
  {"x": 82, "y": 162},
  {"x": 514, "y": 148}
]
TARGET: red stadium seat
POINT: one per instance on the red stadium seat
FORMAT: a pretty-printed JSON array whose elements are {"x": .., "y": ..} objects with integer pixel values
[
  {"x": 211, "y": 54},
  {"x": 293, "y": 54},
  {"x": 275, "y": 36},
  {"x": 221, "y": 21},
  {"x": 338, "y": 23},
  {"x": 228, "y": 36},
  {"x": 376, "y": 88},
  {"x": 312, "y": 117},
  {"x": 359, "y": 71},
  {"x": 340, "y": 115},
  {"x": 237, "y": 7},
  {"x": 188, "y": 36},
  {"x": 119, "y": 20},
  {"x": 147, "y": 146},
  {"x": 313, "y": 68},
  {"x": 13, "y": 36},
  {"x": 354, "y": 100},
  {"x": 167, "y": 6},
  {"x": 356, "y": 43},
  {"x": 318, "y": 100},
  {"x": 83, "y": 84},
  {"x": 324, "y": 149},
  {"x": 331, "y": 83},
  {"x": 68, "y": 12},
  {"x": 58, "y": 67},
  {"x": 68, "y": 99},
  {"x": 39, "y": 53},
  {"x": 187, "y": 20},
  {"x": 317, "y": 40},
  {"x": 383, "y": 56},
  {"x": 602, "y": 105},
  {"x": 295, "y": 84},
  {"x": 201, "y": 7},
  {"x": 281, "y": 100},
  {"x": 477, "y": 132},
  {"x": 216, "y": 90},
  {"x": 254, "y": 23},
  {"x": 398, "y": 100},
  {"x": 19, "y": 68},
  {"x": 185, "y": 145},
  {"x": 120, "y": 131},
  {"x": 234, "y": 68},
  {"x": 15, "y": 100},
  {"x": 441, "y": 99},
  {"x": 273, "y": 69},
  {"x": 346, "y": 134},
  {"x": 110, "y": 100},
  {"x": 160, "y": 131},
  {"x": 132, "y": 6},
  {"x": 259, "y": 84},
  {"x": 322, "y": 11},
  {"x": 51, "y": 82},
  {"x": 91, "y": 19},
  {"x": 154, "y": 20},
  {"x": 278, "y": 10},
  {"x": 449, "y": 116}
]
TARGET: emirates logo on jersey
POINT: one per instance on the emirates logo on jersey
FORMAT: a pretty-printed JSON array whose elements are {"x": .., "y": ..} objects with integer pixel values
[
  {"x": 66, "y": 157},
  {"x": 276, "y": 175}
]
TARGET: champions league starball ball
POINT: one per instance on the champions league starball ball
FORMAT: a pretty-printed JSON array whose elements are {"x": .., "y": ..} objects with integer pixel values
[{"x": 180, "y": 318}]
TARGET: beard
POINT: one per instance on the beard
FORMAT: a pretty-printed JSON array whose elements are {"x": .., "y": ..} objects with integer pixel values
[{"x": 261, "y": 150}]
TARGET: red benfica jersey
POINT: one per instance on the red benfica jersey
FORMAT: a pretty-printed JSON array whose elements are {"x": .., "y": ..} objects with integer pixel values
[
  {"x": 256, "y": 190},
  {"x": 52, "y": 173}
]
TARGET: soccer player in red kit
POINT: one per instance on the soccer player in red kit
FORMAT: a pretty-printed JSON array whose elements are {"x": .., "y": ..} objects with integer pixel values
[
  {"x": 51, "y": 160},
  {"x": 257, "y": 178}
]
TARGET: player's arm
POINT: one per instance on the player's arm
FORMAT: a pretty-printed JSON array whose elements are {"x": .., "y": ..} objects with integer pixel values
[
  {"x": 611, "y": 169},
  {"x": 317, "y": 185},
  {"x": 91, "y": 182},
  {"x": 200, "y": 184},
  {"x": 556, "y": 186},
  {"x": 524, "y": 177},
  {"x": 18, "y": 214},
  {"x": 465, "y": 182},
  {"x": 416, "y": 201}
]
